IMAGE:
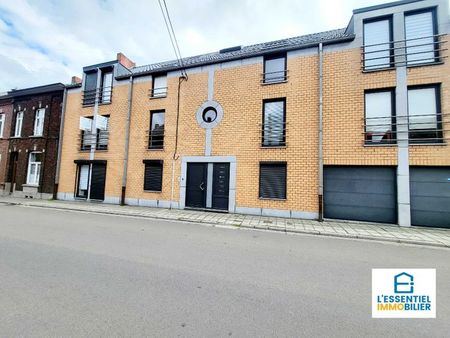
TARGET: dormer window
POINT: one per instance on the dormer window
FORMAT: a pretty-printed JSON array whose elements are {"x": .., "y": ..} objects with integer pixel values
[
  {"x": 159, "y": 86},
  {"x": 378, "y": 46},
  {"x": 422, "y": 44},
  {"x": 106, "y": 86},
  {"x": 275, "y": 68}
]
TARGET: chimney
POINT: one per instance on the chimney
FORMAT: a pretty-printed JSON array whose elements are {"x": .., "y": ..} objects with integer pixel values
[
  {"x": 124, "y": 61},
  {"x": 76, "y": 80}
]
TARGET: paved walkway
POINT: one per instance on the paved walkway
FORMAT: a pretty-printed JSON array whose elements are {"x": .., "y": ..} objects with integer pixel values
[{"x": 362, "y": 230}]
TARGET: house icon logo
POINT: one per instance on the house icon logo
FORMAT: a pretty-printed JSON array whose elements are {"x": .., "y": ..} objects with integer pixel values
[{"x": 403, "y": 283}]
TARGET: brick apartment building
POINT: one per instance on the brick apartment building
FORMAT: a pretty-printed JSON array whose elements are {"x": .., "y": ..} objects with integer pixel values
[
  {"x": 5, "y": 130},
  {"x": 349, "y": 124},
  {"x": 30, "y": 119}
]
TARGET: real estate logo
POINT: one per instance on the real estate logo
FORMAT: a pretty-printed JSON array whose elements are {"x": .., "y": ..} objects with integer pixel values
[{"x": 404, "y": 293}]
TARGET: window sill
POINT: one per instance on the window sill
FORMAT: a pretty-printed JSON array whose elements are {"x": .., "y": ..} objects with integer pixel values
[
  {"x": 153, "y": 191},
  {"x": 427, "y": 144},
  {"x": 273, "y": 147},
  {"x": 16, "y": 137},
  {"x": 36, "y": 136},
  {"x": 375, "y": 70},
  {"x": 104, "y": 103},
  {"x": 155, "y": 149},
  {"x": 88, "y": 105},
  {"x": 381, "y": 145},
  {"x": 28, "y": 185},
  {"x": 272, "y": 199},
  {"x": 273, "y": 83},
  {"x": 157, "y": 97}
]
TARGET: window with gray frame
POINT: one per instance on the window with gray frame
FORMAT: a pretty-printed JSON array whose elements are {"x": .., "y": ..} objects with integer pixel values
[
  {"x": 159, "y": 86},
  {"x": 378, "y": 46},
  {"x": 156, "y": 133},
  {"x": 379, "y": 116},
  {"x": 420, "y": 33},
  {"x": 275, "y": 68},
  {"x": 424, "y": 114},
  {"x": 274, "y": 123},
  {"x": 153, "y": 175},
  {"x": 272, "y": 180}
]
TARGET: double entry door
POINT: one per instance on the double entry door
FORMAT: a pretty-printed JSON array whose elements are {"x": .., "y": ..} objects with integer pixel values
[
  {"x": 208, "y": 185},
  {"x": 91, "y": 180}
]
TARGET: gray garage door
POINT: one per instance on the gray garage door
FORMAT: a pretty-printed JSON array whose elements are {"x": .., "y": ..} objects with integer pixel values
[
  {"x": 360, "y": 193},
  {"x": 430, "y": 196}
]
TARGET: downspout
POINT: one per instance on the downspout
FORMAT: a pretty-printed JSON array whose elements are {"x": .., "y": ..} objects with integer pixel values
[
  {"x": 182, "y": 78},
  {"x": 127, "y": 142},
  {"x": 320, "y": 132},
  {"x": 60, "y": 141}
]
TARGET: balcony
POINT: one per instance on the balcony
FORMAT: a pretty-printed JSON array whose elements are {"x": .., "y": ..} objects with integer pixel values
[
  {"x": 156, "y": 139},
  {"x": 274, "y": 77},
  {"x": 411, "y": 52},
  {"x": 99, "y": 140},
  {"x": 418, "y": 129},
  {"x": 273, "y": 134},
  {"x": 99, "y": 95},
  {"x": 158, "y": 92}
]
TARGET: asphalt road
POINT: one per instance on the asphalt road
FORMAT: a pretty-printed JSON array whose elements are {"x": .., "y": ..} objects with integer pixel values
[{"x": 78, "y": 274}]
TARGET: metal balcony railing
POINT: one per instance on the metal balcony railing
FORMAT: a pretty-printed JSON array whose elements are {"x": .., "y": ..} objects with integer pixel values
[
  {"x": 99, "y": 140},
  {"x": 273, "y": 134},
  {"x": 158, "y": 92},
  {"x": 425, "y": 128},
  {"x": 99, "y": 95},
  {"x": 410, "y": 52},
  {"x": 274, "y": 77},
  {"x": 156, "y": 139}
]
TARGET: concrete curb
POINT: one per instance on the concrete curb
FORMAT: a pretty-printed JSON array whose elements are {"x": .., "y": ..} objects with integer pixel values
[{"x": 237, "y": 225}]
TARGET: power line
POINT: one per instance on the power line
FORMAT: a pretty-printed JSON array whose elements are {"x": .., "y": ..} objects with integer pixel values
[{"x": 172, "y": 35}]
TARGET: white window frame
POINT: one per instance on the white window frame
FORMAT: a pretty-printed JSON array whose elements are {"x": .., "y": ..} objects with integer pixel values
[
  {"x": 33, "y": 179},
  {"x": 39, "y": 122},
  {"x": 2, "y": 124},
  {"x": 19, "y": 123}
]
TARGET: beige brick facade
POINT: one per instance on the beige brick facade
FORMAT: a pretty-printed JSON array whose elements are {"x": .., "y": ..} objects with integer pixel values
[{"x": 237, "y": 87}]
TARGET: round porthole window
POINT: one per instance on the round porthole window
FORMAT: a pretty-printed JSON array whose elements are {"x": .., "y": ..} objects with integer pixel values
[{"x": 209, "y": 115}]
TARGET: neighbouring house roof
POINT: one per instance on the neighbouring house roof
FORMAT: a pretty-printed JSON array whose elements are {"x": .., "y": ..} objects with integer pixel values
[
  {"x": 36, "y": 90},
  {"x": 298, "y": 42}
]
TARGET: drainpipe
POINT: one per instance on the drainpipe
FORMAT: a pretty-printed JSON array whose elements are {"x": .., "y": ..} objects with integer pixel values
[
  {"x": 127, "y": 142},
  {"x": 182, "y": 78},
  {"x": 60, "y": 141},
  {"x": 320, "y": 132}
]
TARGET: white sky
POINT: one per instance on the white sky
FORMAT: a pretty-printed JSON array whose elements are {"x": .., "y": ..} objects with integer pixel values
[{"x": 46, "y": 41}]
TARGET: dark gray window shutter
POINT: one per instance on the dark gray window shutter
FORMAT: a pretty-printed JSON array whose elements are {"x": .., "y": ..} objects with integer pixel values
[
  {"x": 153, "y": 175},
  {"x": 272, "y": 180}
]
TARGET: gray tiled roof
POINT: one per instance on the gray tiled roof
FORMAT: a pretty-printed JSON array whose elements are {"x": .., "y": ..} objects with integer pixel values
[{"x": 246, "y": 51}]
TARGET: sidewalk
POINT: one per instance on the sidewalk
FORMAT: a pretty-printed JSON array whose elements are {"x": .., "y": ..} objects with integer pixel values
[{"x": 361, "y": 230}]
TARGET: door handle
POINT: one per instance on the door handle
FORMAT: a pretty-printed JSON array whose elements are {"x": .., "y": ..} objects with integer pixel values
[{"x": 202, "y": 186}]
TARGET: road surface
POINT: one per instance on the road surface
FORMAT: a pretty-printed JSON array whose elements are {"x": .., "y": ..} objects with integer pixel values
[{"x": 77, "y": 274}]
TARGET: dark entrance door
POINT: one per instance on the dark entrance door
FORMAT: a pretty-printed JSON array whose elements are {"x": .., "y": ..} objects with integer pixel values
[
  {"x": 98, "y": 181},
  {"x": 196, "y": 185},
  {"x": 221, "y": 186},
  {"x": 13, "y": 169}
]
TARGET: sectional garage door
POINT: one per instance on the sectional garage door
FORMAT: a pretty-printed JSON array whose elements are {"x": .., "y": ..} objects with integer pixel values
[
  {"x": 360, "y": 193},
  {"x": 430, "y": 196}
]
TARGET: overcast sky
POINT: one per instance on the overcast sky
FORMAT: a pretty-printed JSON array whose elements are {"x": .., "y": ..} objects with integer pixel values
[{"x": 46, "y": 41}]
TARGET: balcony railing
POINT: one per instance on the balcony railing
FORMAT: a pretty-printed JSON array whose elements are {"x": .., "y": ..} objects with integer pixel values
[
  {"x": 274, "y": 77},
  {"x": 273, "y": 134},
  {"x": 156, "y": 139},
  {"x": 158, "y": 92},
  {"x": 410, "y": 52},
  {"x": 425, "y": 128},
  {"x": 99, "y": 140},
  {"x": 99, "y": 95}
]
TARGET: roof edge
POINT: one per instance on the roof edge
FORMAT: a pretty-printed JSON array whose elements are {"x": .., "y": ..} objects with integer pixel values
[
  {"x": 382, "y": 6},
  {"x": 240, "y": 57}
]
